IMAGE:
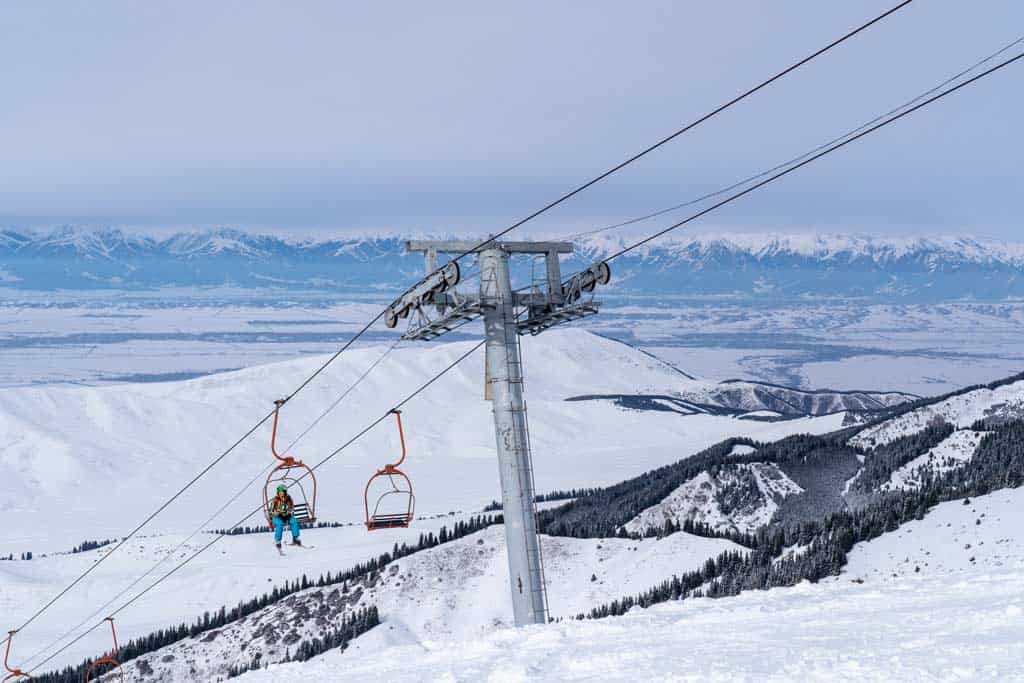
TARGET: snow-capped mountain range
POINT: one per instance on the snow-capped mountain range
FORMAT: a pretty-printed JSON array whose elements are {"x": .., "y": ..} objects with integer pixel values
[{"x": 756, "y": 266}]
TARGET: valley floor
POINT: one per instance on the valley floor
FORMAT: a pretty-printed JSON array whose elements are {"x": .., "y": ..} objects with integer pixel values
[{"x": 956, "y": 627}]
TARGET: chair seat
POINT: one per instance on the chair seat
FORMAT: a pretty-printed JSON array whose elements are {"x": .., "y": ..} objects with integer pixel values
[{"x": 388, "y": 522}]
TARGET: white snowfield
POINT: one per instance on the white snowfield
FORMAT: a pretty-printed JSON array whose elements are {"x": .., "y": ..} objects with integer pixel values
[
  {"x": 955, "y": 450},
  {"x": 960, "y": 411},
  {"x": 696, "y": 500}
]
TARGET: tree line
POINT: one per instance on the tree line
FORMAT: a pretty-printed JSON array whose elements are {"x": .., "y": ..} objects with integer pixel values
[{"x": 998, "y": 463}]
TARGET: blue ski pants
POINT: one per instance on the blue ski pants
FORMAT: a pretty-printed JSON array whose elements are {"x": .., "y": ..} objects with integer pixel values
[{"x": 279, "y": 528}]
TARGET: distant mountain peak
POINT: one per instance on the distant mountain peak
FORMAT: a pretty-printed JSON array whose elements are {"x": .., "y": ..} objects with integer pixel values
[{"x": 746, "y": 265}]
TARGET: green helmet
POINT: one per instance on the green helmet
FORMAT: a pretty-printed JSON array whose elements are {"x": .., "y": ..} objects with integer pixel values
[{"x": 281, "y": 488}]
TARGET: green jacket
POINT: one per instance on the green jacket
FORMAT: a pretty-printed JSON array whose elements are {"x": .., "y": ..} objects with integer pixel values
[{"x": 282, "y": 507}]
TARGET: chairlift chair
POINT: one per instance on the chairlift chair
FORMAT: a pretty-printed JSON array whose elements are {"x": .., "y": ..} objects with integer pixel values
[
  {"x": 392, "y": 491},
  {"x": 295, "y": 475},
  {"x": 109, "y": 658},
  {"x": 15, "y": 673}
]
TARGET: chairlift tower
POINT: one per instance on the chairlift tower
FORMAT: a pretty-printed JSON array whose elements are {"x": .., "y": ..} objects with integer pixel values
[{"x": 437, "y": 307}]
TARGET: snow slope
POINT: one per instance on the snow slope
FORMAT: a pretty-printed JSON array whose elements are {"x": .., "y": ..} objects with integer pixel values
[
  {"x": 237, "y": 568},
  {"x": 977, "y": 538},
  {"x": 696, "y": 500},
  {"x": 454, "y": 593},
  {"x": 89, "y": 462},
  {"x": 961, "y": 411},
  {"x": 932, "y": 628}
]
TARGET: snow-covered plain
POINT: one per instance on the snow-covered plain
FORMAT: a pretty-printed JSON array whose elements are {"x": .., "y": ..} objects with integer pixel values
[{"x": 147, "y": 335}]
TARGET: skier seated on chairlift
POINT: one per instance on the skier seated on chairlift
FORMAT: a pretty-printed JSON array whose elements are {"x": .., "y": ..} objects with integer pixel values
[{"x": 281, "y": 509}]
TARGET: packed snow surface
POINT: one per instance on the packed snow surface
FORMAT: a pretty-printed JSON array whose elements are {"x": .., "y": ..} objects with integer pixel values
[{"x": 931, "y": 628}]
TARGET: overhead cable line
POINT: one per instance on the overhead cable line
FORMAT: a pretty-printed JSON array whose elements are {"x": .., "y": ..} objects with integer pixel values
[
  {"x": 693, "y": 124},
  {"x": 100, "y": 610},
  {"x": 762, "y": 174},
  {"x": 815, "y": 157},
  {"x": 423, "y": 387},
  {"x": 205, "y": 524},
  {"x": 535, "y": 214}
]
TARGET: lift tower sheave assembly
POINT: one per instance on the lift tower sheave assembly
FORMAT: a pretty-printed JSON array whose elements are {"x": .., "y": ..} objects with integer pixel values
[{"x": 437, "y": 307}]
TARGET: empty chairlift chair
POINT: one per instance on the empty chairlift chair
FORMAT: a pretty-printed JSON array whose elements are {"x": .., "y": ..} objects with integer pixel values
[
  {"x": 108, "y": 659},
  {"x": 391, "y": 491},
  {"x": 295, "y": 475},
  {"x": 15, "y": 673}
]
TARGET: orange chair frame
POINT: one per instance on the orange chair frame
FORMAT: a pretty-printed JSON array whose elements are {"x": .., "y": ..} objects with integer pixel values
[
  {"x": 400, "y": 520},
  {"x": 108, "y": 658},
  {"x": 280, "y": 474},
  {"x": 14, "y": 673}
]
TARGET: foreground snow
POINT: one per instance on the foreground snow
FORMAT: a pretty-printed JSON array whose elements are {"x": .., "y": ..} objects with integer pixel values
[
  {"x": 932, "y": 628},
  {"x": 961, "y": 617}
]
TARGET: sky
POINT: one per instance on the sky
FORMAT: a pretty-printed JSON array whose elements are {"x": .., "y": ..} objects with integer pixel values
[{"x": 466, "y": 116}]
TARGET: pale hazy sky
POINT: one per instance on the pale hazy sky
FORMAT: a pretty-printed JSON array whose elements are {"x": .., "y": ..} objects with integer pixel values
[{"x": 467, "y": 115}]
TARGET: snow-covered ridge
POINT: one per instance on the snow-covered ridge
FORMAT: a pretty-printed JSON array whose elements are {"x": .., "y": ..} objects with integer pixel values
[
  {"x": 107, "y": 242},
  {"x": 755, "y": 265},
  {"x": 1004, "y": 401},
  {"x": 959, "y": 536},
  {"x": 701, "y": 500},
  {"x": 953, "y": 452},
  {"x": 826, "y": 247}
]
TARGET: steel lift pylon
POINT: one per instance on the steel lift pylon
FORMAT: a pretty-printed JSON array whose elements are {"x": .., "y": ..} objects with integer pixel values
[{"x": 437, "y": 307}]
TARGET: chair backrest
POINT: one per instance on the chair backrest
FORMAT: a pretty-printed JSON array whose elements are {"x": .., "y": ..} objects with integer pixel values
[{"x": 301, "y": 512}]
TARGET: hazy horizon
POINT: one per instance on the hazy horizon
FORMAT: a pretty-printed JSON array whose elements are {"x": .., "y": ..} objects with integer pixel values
[{"x": 464, "y": 118}]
